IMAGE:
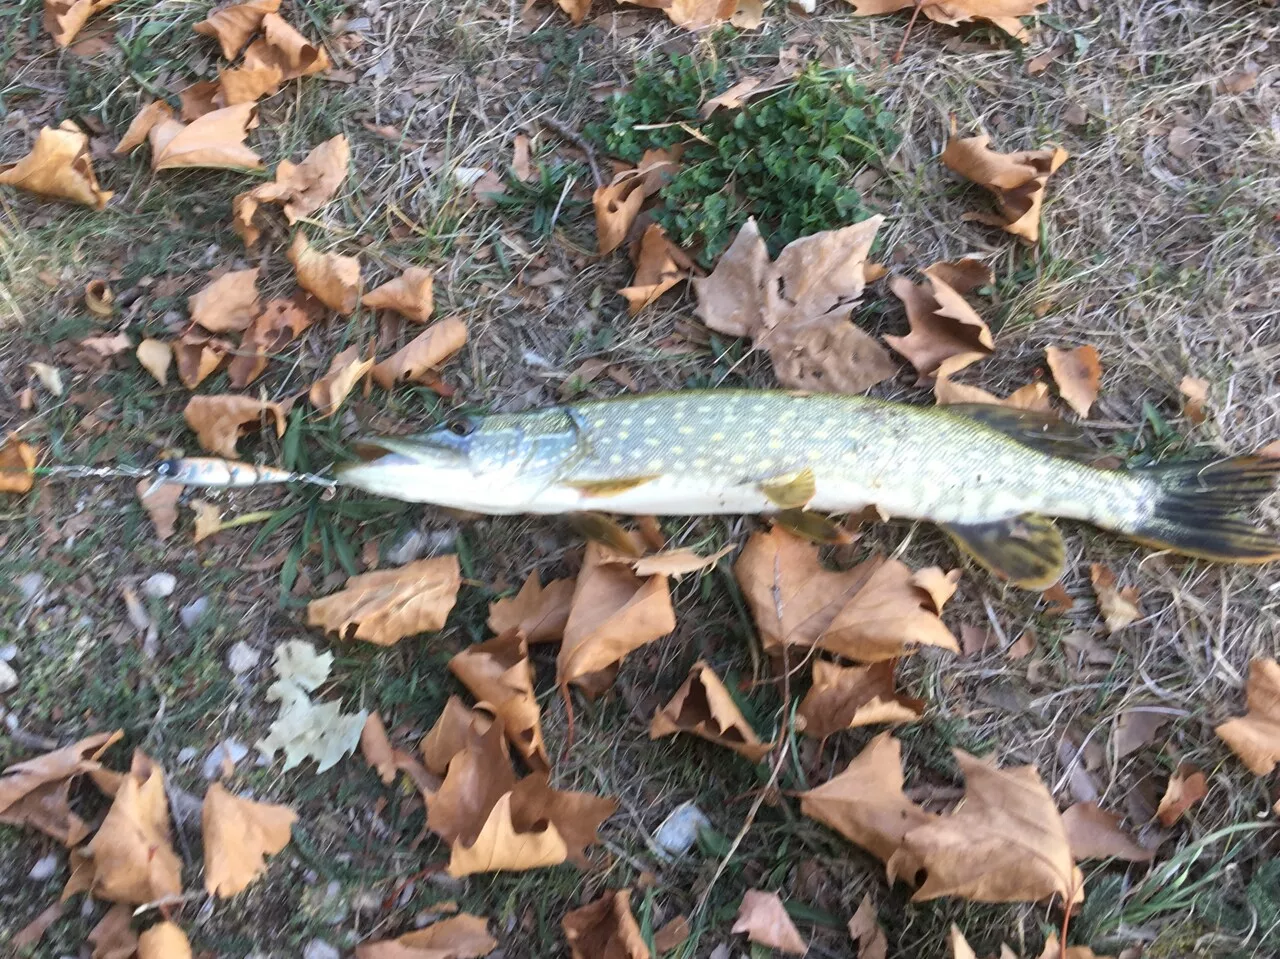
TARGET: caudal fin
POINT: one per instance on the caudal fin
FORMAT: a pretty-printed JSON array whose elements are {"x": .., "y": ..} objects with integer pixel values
[{"x": 1203, "y": 510}]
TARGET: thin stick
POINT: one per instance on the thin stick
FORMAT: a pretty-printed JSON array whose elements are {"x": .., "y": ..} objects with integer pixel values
[
  {"x": 915, "y": 12},
  {"x": 578, "y": 140}
]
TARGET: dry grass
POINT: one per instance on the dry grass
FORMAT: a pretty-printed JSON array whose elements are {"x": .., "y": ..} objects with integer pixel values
[{"x": 1171, "y": 266}]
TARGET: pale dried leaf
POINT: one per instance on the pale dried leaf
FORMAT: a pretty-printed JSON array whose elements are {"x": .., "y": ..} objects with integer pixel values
[
  {"x": 234, "y": 24},
  {"x": 864, "y": 929},
  {"x": 229, "y": 303},
  {"x": 35, "y": 793},
  {"x": 1255, "y": 737},
  {"x": 943, "y": 324},
  {"x": 499, "y": 847},
  {"x": 377, "y": 749},
  {"x": 498, "y": 672},
  {"x": 283, "y": 48},
  {"x": 160, "y": 500},
  {"x": 889, "y": 616},
  {"x": 1016, "y": 179},
  {"x": 156, "y": 356},
  {"x": 844, "y": 697},
  {"x": 1119, "y": 607},
  {"x": 1136, "y": 728},
  {"x": 1186, "y": 787},
  {"x": 63, "y": 19},
  {"x": 678, "y": 562},
  {"x": 164, "y": 940},
  {"x": 345, "y": 371},
  {"x": 197, "y": 357},
  {"x": 1078, "y": 374},
  {"x": 239, "y": 834},
  {"x": 605, "y": 929},
  {"x": 208, "y": 520},
  {"x": 409, "y": 294},
  {"x": 538, "y": 612},
  {"x": 220, "y": 420},
  {"x": 463, "y": 936},
  {"x": 764, "y": 919},
  {"x": 387, "y": 605},
  {"x": 423, "y": 354},
  {"x": 1002, "y": 13},
  {"x": 1196, "y": 392},
  {"x": 60, "y": 167},
  {"x": 1094, "y": 833},
  {"x": 331, "y": 278},
  {"x": 704, "y": 707},
  {"x": 306, "y": 729}
]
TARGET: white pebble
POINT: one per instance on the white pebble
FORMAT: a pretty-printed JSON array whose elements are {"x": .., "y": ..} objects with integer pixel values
[
  {"x": 160, "y": 585},
  {"x": 411, "y": 546},
  {"x": 8, "y": 653},
  {"x": 679, "y": 831},
  {"x": 228, "y": 749},
  {"x": 242, "y": 657},
  {"x": 186, "y": 754},
  {"x": 319, "y": 949},
  {"x": 44, "y": 868},
  {"x": 31, "y": 586},
  {"x": 8, "y": 678},
  {"x": 191, "y": 613}
]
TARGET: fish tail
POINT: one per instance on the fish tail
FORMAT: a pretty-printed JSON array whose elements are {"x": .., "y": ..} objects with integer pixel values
[{"x": 1202, "y": 509}]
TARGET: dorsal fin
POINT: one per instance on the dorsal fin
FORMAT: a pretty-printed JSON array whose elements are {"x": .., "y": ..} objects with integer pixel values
[{"x": 1041, "y": 431}]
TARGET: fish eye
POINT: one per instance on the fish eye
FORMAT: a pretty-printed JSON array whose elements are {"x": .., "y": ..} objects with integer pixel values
[
  {"x": 460, "y": 426},
  {"x": 166, "y": 468}
]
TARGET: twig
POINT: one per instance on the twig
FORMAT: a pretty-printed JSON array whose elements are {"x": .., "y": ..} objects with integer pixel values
[
  {"x": 915, "y": 12},
  {"x": 578, "y": 140}
]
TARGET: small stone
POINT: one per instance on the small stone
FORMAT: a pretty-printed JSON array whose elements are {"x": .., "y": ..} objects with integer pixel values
[
  {"x": 1076, "y": 115},
  {"x": 242, "y": 657},
  {"x": 186, "y": 754},
  {"x": 679, "y": 831},
  {"x": 44, "y": 868},
  {"x": 226, "y": 751},
  {"x": 31, "y": 586},
  {"x": 8, "y": 678},
  {"x": 191, "y": 613},
  {"x": 411, "y": 546},
  {"x": 159, "y": 585},
  {"x": 319, "y": 949},
  {"x": 8, "y": 653}
]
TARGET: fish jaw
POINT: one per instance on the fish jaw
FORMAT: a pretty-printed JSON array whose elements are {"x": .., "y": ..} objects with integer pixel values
[{"x": 401, "y": 477}]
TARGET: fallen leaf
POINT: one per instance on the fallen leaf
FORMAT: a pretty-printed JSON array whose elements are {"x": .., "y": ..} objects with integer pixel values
[
  {"x": 1186, "y": 787},
  {"x": 36, "y": 792},
  {"x": 247, "y": 84},
  {"x": 409, "y": 294},
  {"x": 498, "y": 672},
  {"x": 844, "y": 697},
  {"x": 331, "y": 278},
  {"x": 699, "y": 15},
  {"x": 575, "y": 815},
  {"x": 1241, "y": 81},
  {"x": 280, "y": 323},
  {"x": 214, "y": 140},
  {"x": 50, "y": 377},
  {"x": 1119, "y": 607},
  {"x": 1196, "y": 392},
  {"x": 164, "y": 940},
  {"x": 1004, "y": 843},
  {"x": 208, "y": 520},
  {"x": 1016, "y": 179},
  {"x": 678, "y": 562},
  {"x": 238, "y": 835},
  {"x": 797, "y": 307},
  {"x": 1182, "y": 142},
  {"x": 17, "y": 465},
  {"x": 234, "y": 24},
  {"x": 672, "y": 936},
  {"x": 229, "y": 303},
  {"x": 1033, "y": 396},
  {"x": 423, "y": 354},
  {"x": 500, "y": 847},
  {"x": 1040, "y": 62},
  {"x": 764, "y": 919},
  {"x": 98, "y": 299},
  {"x": 520, "y": 161},
  {"x": 63, "y": 19},
  {"x": 613, "y": 613},
  {"x": 477, "y": 773},
  {"x": 1094, "y": 833},
  {"x": 455, "y": 729},
  {"x": 160, "y": 500},
  {"x": 704, "y": 707},
  {"x": 60, "y": 167},
  {"x": 463, "y": 936},
  {"x": 1002, "y": 13},
  {"x": 387, "y": 605},
  {"x": 345, "y": 371},
  {"x": 219, "y": 421},
  {"x": 539, "y": 612},
  {"x": 98, "y": 348},
  {"x": 605, "y": 929},
  {"x": 283, "y": 48},
  {"x": 864, "y": 929},
  {"x": 299, "y": 189},
  {"x": 198, "y": 357},
  {"x": 618, "y": 204},
  {"x": 1078, "y": 374},
  {"x": 1023, "y": 646},
  {"x": 113, "y": 937},
  {"x": 198, "y": 99},
  {"x": 976, "y": 640},
  {"x": 1136, "y": 728},
  {"x": 377, "y": 749},
  {"x": 155, "y": 356},
  {"x": 1255, "y": 737},
  {"x": 34, "y": 930},
  {"x": 943, "y": 324},
  {"x": 732, "y": 99},
  {"x": 306, "y": 729},
  {"x": 660, "y": 265}
]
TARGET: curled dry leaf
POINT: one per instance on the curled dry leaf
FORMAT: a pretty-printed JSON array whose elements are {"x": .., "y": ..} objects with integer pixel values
[
  {"x": 219, "y": 421},
  {"x": 618, "y": 204},
  {"x": 1255, "y": 737},
  {"x": 409, "y": 294},
  {"x": 1002, "y": 13},
  {"x": 198, "y": 357},
  {"x": 34, "y": 930},
  {"x": 283, "y": 48},
  {"x": 113, "y": 937},
  {"x": 208, "y": 520},
  {"x": 478, "y": 772},
  {"x": 843, "y": 697},
  {"x": 538, "y": 612},
  {"x": 239, "y": 834},
  {"x": 613, "y": 613},
  {"x": 764, "y": 919},
  {"x": 160, "y": 500},
  {"x": 247, "y": 84},
  {"x": 1136, "y": 728},
  {"x": 60, "y": 167},
  {"x": 463, "y": 936},
  {"x": 1094, "y": 833},
  {"x": 1078, "y": 374},
  {"x": 678, "y": 562},
  {"x": 1033, "y": 396},
  {"x": 63, "y": 19},
  {"x": 306, "y": 729},
  {"x": 98, "y": 299},
  {"x": 660, "y": 265},
  {"x": 1016, "y": 179},
  {"x": 214, "y": 140},
  {"x": 345, "y": 371},
  {"x": 943, "y": 324},
  {"x": 704, "y": 707},
  {"x": 1119, "y": 607},
  {"x": 299, "y": 189},
  {"x": 377, "y": 749},
  {"x": 797, "y": 307},
  {"x": 698, "y": 15},
  {"x": 234, "y": 24},
  {"x": 1196, "y": 394},
  {"x": 229, "y": 303},
  {"x": 198, "y": 99},
  {"x": 455, "y": 729},
  {"x": 1186, "y": 787},
  {"x": 164, "y": 940},
  {"x": 864, "y": 929},
  {"x": 35, "y": 792},
  {"x": 156, "y": 356},
  {"x": 605, "y": 929},
  {"x": 17, "y": 465},
  {"x": 498, "y": 672},
  {"x": 388, "y": 605},
  {"x": 419, "y": 359},
  {"x": 867, "y": 806},
  {"x": 331, "y": 278},
  {"x": 279, "y": 323}
]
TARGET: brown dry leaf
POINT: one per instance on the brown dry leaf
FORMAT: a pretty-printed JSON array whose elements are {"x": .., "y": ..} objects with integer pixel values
[
  {"x": 660, "y": 265},
  {"x": 455, "y": 729},
  {"x": 1004, "y": 843},
  {"x": 113, "y": 937},
  {"x": 471, "y": 750},
  {"x": 463, "y": 936},
  {"x": 1023, "y": 646},
  {"x": 731, "y": 99},
  {"x": 388, "y": 605},
  {"x": 500, "y": 847},
  {"x": 698, "y": 15},
  {"x": 229, "y": 303},
  {"x": 1002, "y": 13},
  {"x": 618, "y": 204},
  {"x": 943, "y": 324},
  {"x": 198, "y": 357},
  {"x": 797, "y": 307},
  {"x": 672, "y": 936},
  {"x": 1078, "y": 374},
  {"x": 36, "y": 792},
  {"x": 605, "y": 929},
  {"x": 577, "y": 9},
  {"x": 409, "y": 294},
  {"x": 1016, "y": 179},
  {"x": 377, "y": 749},
  {"x": 1136, "y": 728},
  {"x": 498, "y": 673},
  {"x": 279, "y": 323},
  {"x": 34, "y": 930},
  {"x": 345, "y": 371},
  {"x": 864, "y": 929},
  {"x": 17, "y": 465},
  {"x": 155, "y": 356},
  {"x": 1187, "y": 786},
  {"x": 613, "y": 612},
  {"x": 704, "y": 707},
  {"x": 1241, "y": 81},
  {"x": 220, "y": 420},
  {"x": 130, "y": 858},
  {"x": 249, "y": 84},
  {"x": 1095, "y": 833},
  {"x": 1196, "y": 392},
  {"x": 1255, "y": 737},
  {"x": 283, "y": 48},
  {"x": 101, "y": 348},
  {"x": 678, "y": 562},
  {"x": 160, "y": 500},
  {"x": 214, "y": 140},
  {"x": 764, "y": 919},
  {"x": 234, "y": 24},
  {"x": 164, "y": 940},
  {"x": 331, "y": 278},
  {"x": 521, "y": 165},
  {"x": 63, "y": 19},
  {"x": 238, "y": 835},
  {"x": 198, "y": 99},
  {"x": 299, "y": 189},
  {"x": 59, "y": 166},
  {"x": 208, "y": 520},
  {"x": 418, "y": 361},
  {"x": 1119, "y": 607},
  {"x": 575, "y": 815},
  {"x": 889, "y": 616},
  {"x": 98, "y": 298},
  {"x": 538, "y": 612},
  {"x": 843, "y": 697},
  {"x": 1033, "y": 396}
]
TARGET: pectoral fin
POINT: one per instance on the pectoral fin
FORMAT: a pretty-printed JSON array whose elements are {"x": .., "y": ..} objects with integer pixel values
[
  {"x": 814, "y": 527},
  {"x": 1026, "y": 550},
  {"x": 610, "y": 487},
  {"x": 790, "y": 491},
  {"x": 607, "y": 530}
]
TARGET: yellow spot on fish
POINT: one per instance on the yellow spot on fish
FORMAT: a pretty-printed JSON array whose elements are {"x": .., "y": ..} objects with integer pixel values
[
  {"x": 717, "y": 437},
  {"x": 775, "y": 444},
  {"x": 650, "y": 420},
  {"x": 700, "y": 463},
  {"x": 685, "y": 430},
  {"x": 654, "y": 464},
  {"x": 677, "y": 450},
  {"x": 598, "y": 424},
  {"x": 737, "y": 458},
  {"x": 615, "y": 459},
  {"x": 623, "y": 434}
]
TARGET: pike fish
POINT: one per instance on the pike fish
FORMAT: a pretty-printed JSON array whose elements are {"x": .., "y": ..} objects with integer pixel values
[{"x": 993, "y": 478}]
